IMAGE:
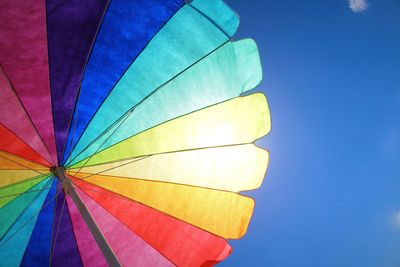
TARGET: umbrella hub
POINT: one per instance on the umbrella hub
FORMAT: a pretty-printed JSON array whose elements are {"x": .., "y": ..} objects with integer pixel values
[
  {"x": 54, "y": 169},
  {"x": 66, "y": 182}
]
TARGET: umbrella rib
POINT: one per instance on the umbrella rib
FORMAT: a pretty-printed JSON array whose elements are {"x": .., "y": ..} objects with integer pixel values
[
  {"x": 118, "y": 219},
  {"x": 102, "y": 144},
  {"x": 55, "y": 198},
  {"x": 142, "y": 157},
  {"x": 153, "y": 180},
  {"x": 25, "y": 159},
  {"x": 23, "y": 141},
  {"x": 27, "y": 114},
  {"x": 209, "y": 19},
  {"x": 2, "y": 242},
  {"x": 35, "y": 170},
  {"x": 215, "y": 104},
  {"x": 156, "y": 181},
  {"x": 90, "y": 222},
  {"x": 50, "y": 85},
  {"x": 118, "y": 166},
  {"x": 183, "y": 115},
  {"x": 21, "y": 193},
  {"x": 112, "y": 88},
  {"x": 130, "y": 111},
  {"x": 26, "y": 180},
  {"x": 117, "y": 195},
  {"x": 30, "y": 219},
  {"x": 58, "y": 227},
  {"x": 81, "y": 80},
  {"x": 123, "y": 117}
]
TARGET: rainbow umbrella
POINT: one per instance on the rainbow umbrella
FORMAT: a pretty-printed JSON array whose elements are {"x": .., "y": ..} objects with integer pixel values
[{"x": 124, "y": 135}]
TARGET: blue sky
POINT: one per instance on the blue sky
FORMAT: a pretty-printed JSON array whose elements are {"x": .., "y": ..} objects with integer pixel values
[{"x": 332, "y": 192}]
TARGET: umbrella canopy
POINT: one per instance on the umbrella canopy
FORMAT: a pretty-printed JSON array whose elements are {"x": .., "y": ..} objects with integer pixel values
[{"x": 125, "y": 139}]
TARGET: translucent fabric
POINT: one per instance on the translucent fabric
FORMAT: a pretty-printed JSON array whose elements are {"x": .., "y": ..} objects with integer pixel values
[
  {"x": 141, "y": 104},
  {"x": 71, "y": 28},
  {"x": 229, "y": 71},
  {"x": 13, "y": 244},
  {"x": 130, "y": 249},
  {"x": 24, "y": 59},
  {"x": 64, "y": 251},
  {"x": 238, "y": 121},
  {"x": 38, "y": 251},
  {"x": 126, "y": 29},
  {"x": 19, "y": 147},
  {"x": 15, "y": 118},
  {"x": 13, "y": 210},
  {"x": 180, "y": 242},
  {"x": 197, "y": 36},
  {"x": 90, "y": 252},
  {"x": 12, "y": 162},
  {"x": 9, "y": 193},
  {"x": 231, "y": 168},
  {"x": 12, "y": 177},
  {"x": 225, "y": 214}
]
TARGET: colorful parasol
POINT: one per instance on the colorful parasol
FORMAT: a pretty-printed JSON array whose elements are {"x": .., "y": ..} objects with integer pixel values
[{"x": 125, "y": 139}]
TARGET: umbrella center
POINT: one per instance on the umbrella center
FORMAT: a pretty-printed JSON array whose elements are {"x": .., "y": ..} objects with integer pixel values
[
  {"x": 66, "y": 182},
  {"x": 54, "y": 169}
]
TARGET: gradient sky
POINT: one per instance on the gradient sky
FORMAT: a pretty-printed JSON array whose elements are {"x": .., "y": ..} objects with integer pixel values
[{"x": 332, "y": 193}]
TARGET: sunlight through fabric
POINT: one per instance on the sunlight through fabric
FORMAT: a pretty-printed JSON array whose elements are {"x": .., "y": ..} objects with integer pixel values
[
  {"x": 238, "y": 121},
  {"x": 129, "y": 248},
  {"x": 161, "y": 231},
  {"x": 198, "y": 36},
  {"x": 222, "y": 75},
  {"x": 129, "y": 134},
  {"x": 231, "y": 168},
  {"x": 225, "y": 214}
]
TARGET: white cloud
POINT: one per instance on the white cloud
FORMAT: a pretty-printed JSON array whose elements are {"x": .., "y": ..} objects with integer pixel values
[{"x": 358, "y": 5}]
